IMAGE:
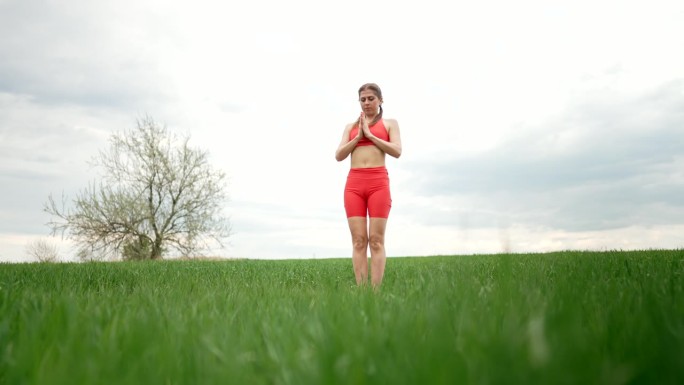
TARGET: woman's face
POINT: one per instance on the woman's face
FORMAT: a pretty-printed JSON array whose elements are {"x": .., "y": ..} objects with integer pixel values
[{"x": 369, "y": 102}]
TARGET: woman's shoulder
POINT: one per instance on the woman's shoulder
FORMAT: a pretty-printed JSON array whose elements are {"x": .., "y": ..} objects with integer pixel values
[
  {"x": 351, "y": 125},
  {"x": 390, "y": 123}
]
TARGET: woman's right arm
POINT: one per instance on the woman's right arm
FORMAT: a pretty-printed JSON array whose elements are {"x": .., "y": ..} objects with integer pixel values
[{"x": 347, "y": 146}]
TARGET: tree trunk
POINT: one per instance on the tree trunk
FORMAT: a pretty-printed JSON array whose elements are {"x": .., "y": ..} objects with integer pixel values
[{"x": 156, "y": 250}]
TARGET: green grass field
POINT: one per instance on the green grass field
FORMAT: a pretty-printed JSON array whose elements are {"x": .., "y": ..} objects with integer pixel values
[{"x": 558, "y": 318}]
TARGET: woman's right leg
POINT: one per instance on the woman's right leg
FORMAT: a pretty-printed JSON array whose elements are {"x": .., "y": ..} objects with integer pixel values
[{"x": 359, "y": 233}]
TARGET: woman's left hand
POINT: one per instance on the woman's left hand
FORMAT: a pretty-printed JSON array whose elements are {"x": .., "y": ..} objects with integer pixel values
[{"x": 366, "y": 131}]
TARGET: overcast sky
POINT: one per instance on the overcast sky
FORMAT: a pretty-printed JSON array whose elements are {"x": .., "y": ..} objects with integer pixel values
[{"x": 527, "y": 126}]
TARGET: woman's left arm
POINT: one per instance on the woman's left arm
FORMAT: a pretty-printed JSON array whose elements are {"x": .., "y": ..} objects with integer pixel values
[{"x": 393, "y": 147}]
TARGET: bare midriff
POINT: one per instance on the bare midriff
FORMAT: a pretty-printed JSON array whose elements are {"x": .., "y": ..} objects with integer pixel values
[{"x": 367, "y": 156}]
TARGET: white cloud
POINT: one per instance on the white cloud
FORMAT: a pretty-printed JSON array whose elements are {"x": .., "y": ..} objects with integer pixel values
[{"x": 608, "y": 162}]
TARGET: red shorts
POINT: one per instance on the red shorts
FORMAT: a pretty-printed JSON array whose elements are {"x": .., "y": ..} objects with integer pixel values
[{"x": 367, "y": 192}]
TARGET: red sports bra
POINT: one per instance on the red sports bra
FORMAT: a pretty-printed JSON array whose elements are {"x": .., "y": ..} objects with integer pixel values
[{"x": 378, "y": 129}]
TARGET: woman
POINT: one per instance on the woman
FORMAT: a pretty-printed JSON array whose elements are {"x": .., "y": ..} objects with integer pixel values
[{"x": 367, "y": 192}]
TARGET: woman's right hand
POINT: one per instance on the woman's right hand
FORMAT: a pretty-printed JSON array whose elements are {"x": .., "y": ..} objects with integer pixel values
[{"x": 361, "y": 123}]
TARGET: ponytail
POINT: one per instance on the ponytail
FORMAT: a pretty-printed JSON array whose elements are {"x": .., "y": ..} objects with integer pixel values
[{"x": 377, "y": 117}]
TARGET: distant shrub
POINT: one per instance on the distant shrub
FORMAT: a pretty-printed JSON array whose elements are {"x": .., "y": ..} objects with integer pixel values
[{"x": 42, "y": 250}]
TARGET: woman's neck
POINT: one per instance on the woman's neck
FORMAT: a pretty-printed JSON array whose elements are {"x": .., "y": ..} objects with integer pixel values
[{"x": 370, "y": 118}]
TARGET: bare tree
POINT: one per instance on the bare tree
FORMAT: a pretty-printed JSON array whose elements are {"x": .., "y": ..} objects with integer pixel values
[
  {"x": 42, "y": 250},
  {"x": 157, "y": 194}
]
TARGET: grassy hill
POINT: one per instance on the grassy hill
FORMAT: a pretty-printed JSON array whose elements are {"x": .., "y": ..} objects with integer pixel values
[{"x": 566, "y": 317}]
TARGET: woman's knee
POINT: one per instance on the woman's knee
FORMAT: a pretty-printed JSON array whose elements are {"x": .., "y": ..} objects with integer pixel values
[
  {"x": 360, "y": 241},
  {"x": 377, "y": 242}
]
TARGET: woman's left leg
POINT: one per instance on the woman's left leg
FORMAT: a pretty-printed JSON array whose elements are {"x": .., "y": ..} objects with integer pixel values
[
  {"x": 376, "y": 240},
  {"x": 379, "y": 206}
]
